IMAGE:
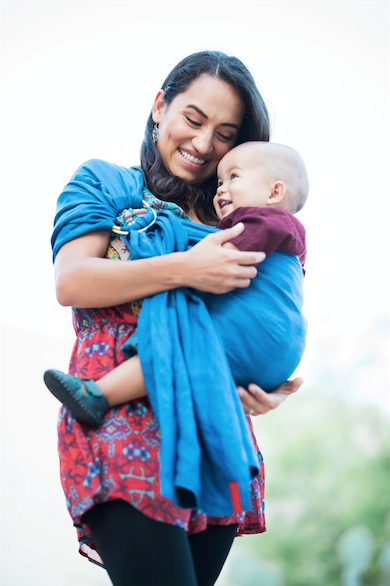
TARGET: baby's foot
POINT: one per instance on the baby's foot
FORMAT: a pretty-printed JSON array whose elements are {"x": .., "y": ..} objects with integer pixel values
[{"x": 82, "y": 397}]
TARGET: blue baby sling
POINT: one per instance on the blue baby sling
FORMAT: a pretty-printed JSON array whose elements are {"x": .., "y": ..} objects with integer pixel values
[{"x": 195, "y": 347}]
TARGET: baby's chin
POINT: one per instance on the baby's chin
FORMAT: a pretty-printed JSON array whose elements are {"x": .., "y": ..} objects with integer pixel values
[{"x": 225, "y": 213}]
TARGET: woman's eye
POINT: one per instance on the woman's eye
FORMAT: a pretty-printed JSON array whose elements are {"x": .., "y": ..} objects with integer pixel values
[
  {"x": 193, "y": 122},
  {"x": 225, "y": 137}
]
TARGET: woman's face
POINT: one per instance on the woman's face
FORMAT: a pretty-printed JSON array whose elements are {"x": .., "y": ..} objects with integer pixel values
[{"x": 198, "y": 128}]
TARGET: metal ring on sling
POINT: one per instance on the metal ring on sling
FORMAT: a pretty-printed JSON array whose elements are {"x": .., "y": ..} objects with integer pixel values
[{"x": 117, "y": 230}]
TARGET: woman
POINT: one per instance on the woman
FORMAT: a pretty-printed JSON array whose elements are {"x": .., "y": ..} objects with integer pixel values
[{"x": 207, "y": 104}]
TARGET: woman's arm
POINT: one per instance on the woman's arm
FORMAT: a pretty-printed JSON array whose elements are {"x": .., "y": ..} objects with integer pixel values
[
  {"x": 85, "y": 279},
  {"x": 257, "y": 402}
]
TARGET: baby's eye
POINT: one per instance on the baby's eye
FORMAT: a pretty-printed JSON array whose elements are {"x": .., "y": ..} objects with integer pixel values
[
  {"x": 233, "y": 176},
  {"x": 219, "y": 183}
]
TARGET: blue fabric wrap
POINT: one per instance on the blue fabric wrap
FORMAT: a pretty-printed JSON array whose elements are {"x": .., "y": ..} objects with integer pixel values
[
  {"x": 92, "y": 199},
  {"x": 194, "y": 347}
]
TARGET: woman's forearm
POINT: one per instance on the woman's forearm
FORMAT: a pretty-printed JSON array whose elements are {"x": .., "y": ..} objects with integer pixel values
[
  {"x": 85, "y": 279},
  {"x": 98, "y": 282}
]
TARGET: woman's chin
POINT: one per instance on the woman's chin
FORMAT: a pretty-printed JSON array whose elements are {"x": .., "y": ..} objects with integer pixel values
[
  {"x": 190, "y": 177},
  {"x": 190, "y": 173}
]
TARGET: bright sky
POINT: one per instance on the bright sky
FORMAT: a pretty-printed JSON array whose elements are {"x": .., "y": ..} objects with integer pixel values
[{"x": 78, "y": 81}]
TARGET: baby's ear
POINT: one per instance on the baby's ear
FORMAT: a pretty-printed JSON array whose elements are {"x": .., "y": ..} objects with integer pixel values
[{"x": 277, "y": 193}]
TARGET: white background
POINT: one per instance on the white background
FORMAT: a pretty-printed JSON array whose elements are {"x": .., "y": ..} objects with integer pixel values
[{"x": 78, "y": 81}]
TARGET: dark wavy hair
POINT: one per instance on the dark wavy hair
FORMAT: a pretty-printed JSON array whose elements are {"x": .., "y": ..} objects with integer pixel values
[{"x": 255, "y": 126}]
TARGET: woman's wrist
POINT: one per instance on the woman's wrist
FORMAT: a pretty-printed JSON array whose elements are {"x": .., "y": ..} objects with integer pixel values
[{"x": 177, "y": 270}]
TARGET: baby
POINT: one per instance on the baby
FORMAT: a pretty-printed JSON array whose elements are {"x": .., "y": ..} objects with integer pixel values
[{"x": 260, "y": 184}]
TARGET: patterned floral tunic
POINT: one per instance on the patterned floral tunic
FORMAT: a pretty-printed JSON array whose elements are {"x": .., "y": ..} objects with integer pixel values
[{"x": 120, "y": 459}]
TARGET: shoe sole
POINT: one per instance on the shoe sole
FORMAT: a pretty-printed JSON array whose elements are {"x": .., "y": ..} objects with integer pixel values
[{"x": 67, "y": 398}]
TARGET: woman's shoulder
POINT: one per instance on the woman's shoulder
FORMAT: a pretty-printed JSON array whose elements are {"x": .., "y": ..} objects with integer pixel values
[{"x": 103, "y": 169}]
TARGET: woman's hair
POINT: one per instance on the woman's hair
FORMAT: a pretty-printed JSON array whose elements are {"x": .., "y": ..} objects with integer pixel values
[{"x": 255, "y": 126}]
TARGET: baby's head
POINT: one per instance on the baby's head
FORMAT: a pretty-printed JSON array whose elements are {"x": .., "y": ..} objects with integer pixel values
[{"x": 262, "y": 175}]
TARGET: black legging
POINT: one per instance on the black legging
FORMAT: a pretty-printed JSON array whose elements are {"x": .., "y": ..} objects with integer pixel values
[{"x": 138, "y": 551}]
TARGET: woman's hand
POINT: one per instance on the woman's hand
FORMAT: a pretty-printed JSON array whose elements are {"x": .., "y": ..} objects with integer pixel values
[
  {"x": 257, "y": 402},
  {"x": 214, "y": 268}
]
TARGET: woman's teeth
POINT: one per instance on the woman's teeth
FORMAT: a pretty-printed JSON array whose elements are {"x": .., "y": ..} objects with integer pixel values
[{"x": 190, "y": 158}]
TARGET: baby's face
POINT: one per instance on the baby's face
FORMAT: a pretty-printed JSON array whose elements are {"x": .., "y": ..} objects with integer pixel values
[{"x": 242, "y": 182}]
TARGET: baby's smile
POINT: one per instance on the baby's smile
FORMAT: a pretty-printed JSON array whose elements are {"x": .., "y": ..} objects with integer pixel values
[
  {"x": 220, "y": 203},
  {"x": 223, "y": 202}
]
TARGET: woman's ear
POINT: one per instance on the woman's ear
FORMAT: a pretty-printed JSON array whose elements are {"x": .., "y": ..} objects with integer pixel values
[
  {"x": 158, "y": 107},
  {"x": 277, "y": 193}
]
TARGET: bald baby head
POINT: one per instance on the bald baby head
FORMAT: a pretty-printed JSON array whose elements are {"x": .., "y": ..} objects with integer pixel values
[{"x": 262, "y": 174}]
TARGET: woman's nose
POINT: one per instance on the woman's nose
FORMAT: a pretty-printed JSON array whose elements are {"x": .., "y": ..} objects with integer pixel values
[{"x": 203, "y": 142}]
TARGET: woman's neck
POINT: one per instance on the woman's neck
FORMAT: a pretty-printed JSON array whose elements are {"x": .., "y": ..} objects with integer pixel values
[{"x": 193, "y": 217}]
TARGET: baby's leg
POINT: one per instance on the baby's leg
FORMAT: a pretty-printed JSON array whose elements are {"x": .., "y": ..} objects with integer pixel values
[
  {"x": 89, "y": 401},
  {"x": 124, "y": 383}
]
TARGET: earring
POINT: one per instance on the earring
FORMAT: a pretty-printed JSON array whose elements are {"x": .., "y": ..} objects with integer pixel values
[{"x": 155, "y": 133}]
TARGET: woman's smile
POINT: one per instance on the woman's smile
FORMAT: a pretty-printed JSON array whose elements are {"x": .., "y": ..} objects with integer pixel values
[{"x": 191, "y": 158}]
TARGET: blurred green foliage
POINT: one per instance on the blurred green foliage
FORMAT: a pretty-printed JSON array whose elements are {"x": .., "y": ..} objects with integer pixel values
[{"x": 327, "y": 498}]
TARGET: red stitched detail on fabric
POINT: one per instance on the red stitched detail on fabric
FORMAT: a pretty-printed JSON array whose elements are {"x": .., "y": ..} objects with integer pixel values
[{"x": 235, "y": 497}]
